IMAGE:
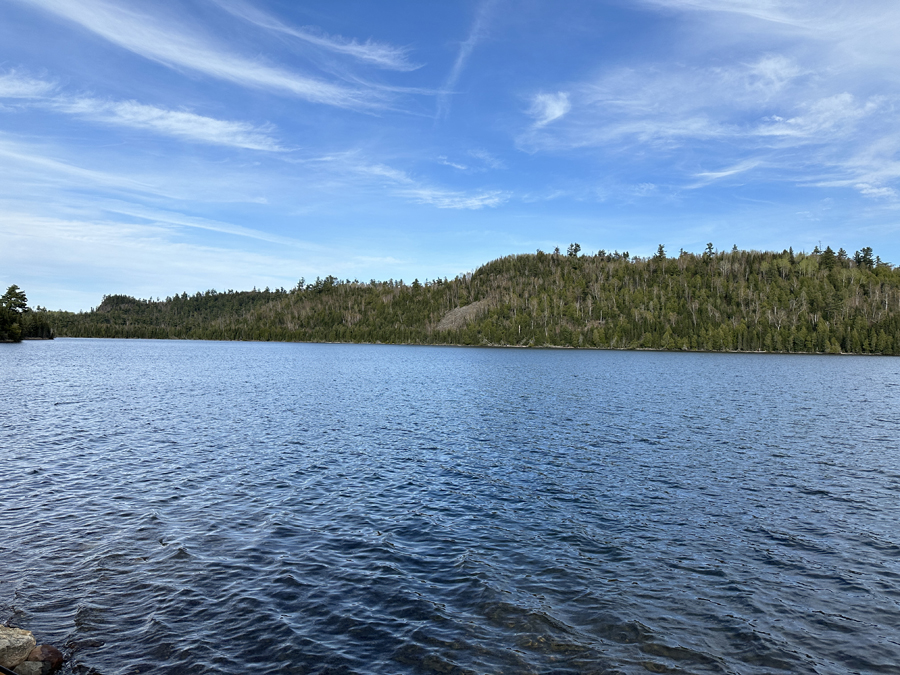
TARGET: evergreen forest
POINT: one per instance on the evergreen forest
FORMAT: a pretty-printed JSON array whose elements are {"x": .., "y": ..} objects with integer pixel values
[
  {"x": 18, "y": 321},
  {"x": 744, "y": 301}
]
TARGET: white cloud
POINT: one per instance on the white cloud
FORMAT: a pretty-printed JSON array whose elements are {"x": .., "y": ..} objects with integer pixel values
[
  {"x": 169, "y": 44},
  {"x": 14, "y": 85},
  {"x": 446, "y": 162},
  {"x": 28, "y": 163},
  {"x": 672, "y": 94},
  {"x": 164, "y": 218},
  {"x": 832, "y": 115},
  {"x": 548, "y": 107},
  {"x": 179, "y": 124},
  {"x": 766, "y": 10},
  {"x": 374, "y": 53},
  {"x": 37, "y": 171},
  {"x": 448, "y": 199},
  {"x": 484, "y": 161},
  {"x": 873, "y": 191},
  {"x": 792, "y": 90},
  {"x": 769, "y": 75},
  {"x": 707, "y": 177},
  {"x": 489, "y": 160},
  {"x": 383, "y": 171},
  {"x": 477, "y": 33},
  {"x": 416, "y": 190},
  {"x": 841, "y": 35},
  {"x": 787, "y": 117},
  {"x": 113, "y": 256}
]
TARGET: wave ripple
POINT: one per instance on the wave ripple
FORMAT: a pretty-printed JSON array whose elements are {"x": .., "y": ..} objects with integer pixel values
[{"x": 206, "y": 507}]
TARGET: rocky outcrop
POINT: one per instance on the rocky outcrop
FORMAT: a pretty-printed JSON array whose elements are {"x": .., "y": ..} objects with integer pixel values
[
  {"x": 20, "y": 653},
  {"x": 15, "y": 646},
  {"x": 457, "y": 318},
  {"x": 31, "y": 668},
  {"x": 42, "y": 660}
]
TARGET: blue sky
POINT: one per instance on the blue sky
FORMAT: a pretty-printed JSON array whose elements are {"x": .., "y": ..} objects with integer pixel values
[{"x": 152, "y": 148}]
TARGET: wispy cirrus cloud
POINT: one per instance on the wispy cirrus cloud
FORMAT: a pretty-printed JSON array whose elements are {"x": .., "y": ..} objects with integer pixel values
[
  {"x": 484, "y": 161},
  {"x": 168, "y": 43},
  {"x": 879, "y": 192},
  {"x": 829, "y": 19},
  {"x": 99, "y": 256},
  {"x": 175, "y": 123},
  {"x": 15, "y": 85},
  {"x": 707, "y": 177},
  {"x": 765, "y": 114},
  {"x": 181, "y": 124},
  {"x": 416, "y": 190},
  {"x": 548, "y": 107},
  {"x": 831, "y": 115},
  {"x": 845, "y": 36},
  {"x": 766, "y": 10},
  {"x": 487, "y": 160},
  {"x": 41, "y": 171},
  {"x": 162, "y": 217},
  {"x": 803, "y": 91},
  {"x": 450, "y": 199},
  {"x": 455, "y": 165},
  {"x": 32, "y": 164},
  {"x": 476, "y": 34},
  {"x": 378, "y": 54}
]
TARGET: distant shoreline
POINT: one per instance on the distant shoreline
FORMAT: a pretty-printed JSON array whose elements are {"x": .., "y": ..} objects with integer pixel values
[{"x": 483, "y": 346}]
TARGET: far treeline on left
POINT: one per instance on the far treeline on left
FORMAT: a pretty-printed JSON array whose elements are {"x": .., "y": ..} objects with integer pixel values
[{"x": 18, "y": 321}]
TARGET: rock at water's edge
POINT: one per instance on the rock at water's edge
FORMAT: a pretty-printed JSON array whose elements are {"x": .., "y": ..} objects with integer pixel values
[
  {"x": 15, "y": 646},
  {"x": 48, "y": 655},
  {"x": 32, "y": 668}
]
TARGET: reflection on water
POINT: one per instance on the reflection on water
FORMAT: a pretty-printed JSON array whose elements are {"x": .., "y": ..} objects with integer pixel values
[{"x": 242, "y": 507}]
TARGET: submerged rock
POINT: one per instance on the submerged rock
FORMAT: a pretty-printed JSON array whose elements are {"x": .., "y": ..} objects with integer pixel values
[
  {"x": 50, "y": 657},
  {"x": 15, "y": 646}
]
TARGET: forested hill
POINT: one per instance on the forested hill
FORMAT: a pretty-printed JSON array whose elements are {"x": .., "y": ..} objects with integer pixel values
[{"x": 729, "y": 301}]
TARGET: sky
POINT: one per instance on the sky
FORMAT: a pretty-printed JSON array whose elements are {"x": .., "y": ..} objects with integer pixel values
[{"x": 152, "y": 148}]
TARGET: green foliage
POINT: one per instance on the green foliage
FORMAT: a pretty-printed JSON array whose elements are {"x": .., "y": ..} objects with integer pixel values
[
  {"x": 18, "y": 321},
  {"x": 14, "y": 300},
  {"x": 720, "y": 301}
]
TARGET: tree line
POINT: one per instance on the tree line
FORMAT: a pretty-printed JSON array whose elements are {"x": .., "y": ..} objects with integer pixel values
[
  {"x": 818, "y": 302},
  {"x": 18, "y": 321}
]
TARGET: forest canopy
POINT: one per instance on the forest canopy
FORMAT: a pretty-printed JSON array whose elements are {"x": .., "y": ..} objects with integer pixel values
[
  {"x": 18, "y": 321},
  {"x": 818, "y": 302}
]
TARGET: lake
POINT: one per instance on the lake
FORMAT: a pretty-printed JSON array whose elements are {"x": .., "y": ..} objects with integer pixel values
[{"x": 215, "y": 507}]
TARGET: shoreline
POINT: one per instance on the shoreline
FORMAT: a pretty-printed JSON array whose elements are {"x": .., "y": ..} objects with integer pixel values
[{"x": 484, "y": 346}]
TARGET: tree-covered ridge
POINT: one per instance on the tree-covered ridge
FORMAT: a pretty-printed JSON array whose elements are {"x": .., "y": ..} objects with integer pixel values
[
  {"x": 721, "y": 301},
  {"x": 18, "y": 321}
]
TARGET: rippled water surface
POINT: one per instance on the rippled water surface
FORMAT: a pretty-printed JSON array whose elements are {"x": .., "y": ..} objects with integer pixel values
[{"x": 202, "y": 507}]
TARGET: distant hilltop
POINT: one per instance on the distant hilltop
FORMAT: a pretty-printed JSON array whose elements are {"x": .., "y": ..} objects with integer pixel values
[{"x": 744, "y": 301}]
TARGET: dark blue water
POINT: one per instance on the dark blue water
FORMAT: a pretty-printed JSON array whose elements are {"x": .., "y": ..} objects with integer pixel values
[{"x": 200, "y": 507}]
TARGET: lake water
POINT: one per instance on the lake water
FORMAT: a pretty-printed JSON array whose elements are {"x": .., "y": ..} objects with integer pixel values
[{"x": 203, "y": 507}]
